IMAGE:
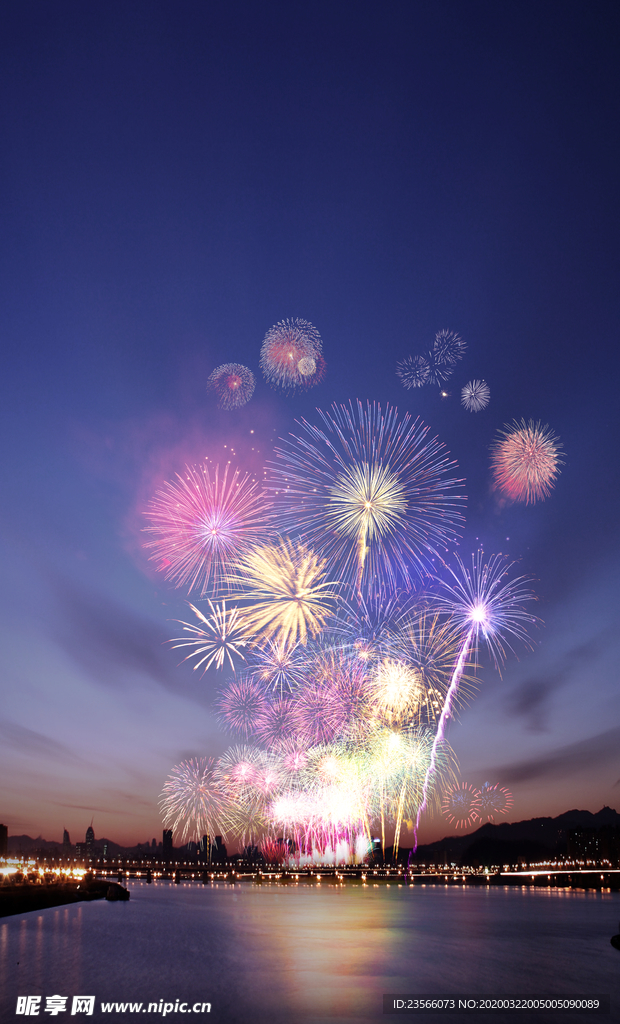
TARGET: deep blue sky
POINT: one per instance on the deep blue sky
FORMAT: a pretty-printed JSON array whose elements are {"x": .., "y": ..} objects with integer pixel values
[{"x": 177, "y": 177}]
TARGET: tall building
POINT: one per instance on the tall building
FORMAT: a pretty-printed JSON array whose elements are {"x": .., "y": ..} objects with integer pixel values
[
  {"x": 4, "y": 840},
  {"x": 90, "y": 840},
  {"x": 219, "y": 852},
  {"x": 205, "y": 848},
  {"x": 167, "y": 843},
  {"x": 66, "y": 838}
]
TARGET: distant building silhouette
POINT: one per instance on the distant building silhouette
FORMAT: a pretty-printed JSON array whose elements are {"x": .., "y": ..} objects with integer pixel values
[
  {"x": 167, "y": 843},
  {"x": 66, "y": 838},
  {"x": 154, "y": 844},
  {"x": 219, "y": 852},
  {"x": 592, "y": 844},
  {"x": 204, "y": 852},
  {"x": 4, "y": 840}
]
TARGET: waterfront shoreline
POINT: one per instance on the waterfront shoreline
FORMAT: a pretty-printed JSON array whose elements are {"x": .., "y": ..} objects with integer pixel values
[{"x": 24, "y": 898}]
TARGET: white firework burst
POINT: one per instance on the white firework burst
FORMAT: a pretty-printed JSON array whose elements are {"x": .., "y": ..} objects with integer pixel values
[
  {"x": 475, "y": 395},
  {"x": 414, "y": 371}
]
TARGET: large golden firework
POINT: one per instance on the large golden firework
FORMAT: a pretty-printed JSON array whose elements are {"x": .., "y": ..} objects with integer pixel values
[{"x": 290, "y": 600}]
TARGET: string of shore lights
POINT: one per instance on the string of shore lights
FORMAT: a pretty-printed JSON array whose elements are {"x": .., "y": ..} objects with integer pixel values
[{"x": 332, "y": 596}]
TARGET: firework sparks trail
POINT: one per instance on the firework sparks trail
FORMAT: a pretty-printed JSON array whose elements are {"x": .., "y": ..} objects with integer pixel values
[
  {"x": 439, "y": 735},
  {"x": 486, "y": 607},
  {"x": 233, "y": 384},
  {"x": 525, "y": 461},
  {"x": 203, "y": 522},
  {"x": 370, "y": 491},
  {"x": 222, "y": 637}
]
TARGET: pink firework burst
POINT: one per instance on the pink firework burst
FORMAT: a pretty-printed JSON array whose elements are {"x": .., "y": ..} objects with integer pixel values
[
  {"x": 277, "y": 723},
  {"x": 461, "y": 805},
  {"x": 233, "y": 384},
  {"x": 525, "y": 460},
  {"x": 202, "y": 522},
  {"x": 242, "y": 704},
  {"x": 493, "y": 800},
  {"x": 291, "y": 354}
]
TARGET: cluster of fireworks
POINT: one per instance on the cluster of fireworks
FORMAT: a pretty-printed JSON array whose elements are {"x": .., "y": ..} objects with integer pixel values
[
  {"x": 350, "y": 638},
  {"x": 290, "y": 357},
  {"x": 437, "y": 365},
  {"x": 465, "y": 805}
]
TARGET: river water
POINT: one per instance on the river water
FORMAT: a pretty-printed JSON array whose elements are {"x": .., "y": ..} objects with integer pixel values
[{"x": 307, "y": 953}]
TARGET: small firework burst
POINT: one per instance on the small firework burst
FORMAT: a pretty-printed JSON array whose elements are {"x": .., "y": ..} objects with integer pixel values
[
  {"x": 191, "y": 801},
  {"x": 242, "y": 704},
  {"x": 397, "y": 692},
  {"x": 447, "y": 349},
  {"x": 290, "y": 354},
  {"x": 525, "y": 460},
  {"x": 233, "y": 384},
  {"x": 475, "y": 395},
  {"x": 307, "y": 366},
  {"x": 278, "y": 667},
  {"x": 277, "y": 723},
  {"x": 493, "y": 800},
  {"x": 462, "y": 805},
  {"x": 308, "y": 380},
  {"x": 221, "y": 636},
  {"x": 202, "y": 521},
  {"x": 414, "y": 371}
]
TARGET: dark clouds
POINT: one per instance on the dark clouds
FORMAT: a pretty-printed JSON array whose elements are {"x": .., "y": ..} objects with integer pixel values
[
  {"x": 115, "y": 645},
  {"x": 597, "y": 751},
  {"x": 532, "y": 699},
  {"x": 36, "y": 744}
]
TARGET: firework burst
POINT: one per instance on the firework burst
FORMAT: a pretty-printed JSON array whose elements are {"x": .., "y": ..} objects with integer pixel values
[
  {"x": 278, "y": 667},
  {"x": 494, "y": 800},
  {"x": 203, "y": 522},
  {"x": 475, "y": 396},
  {"x": 191, "y": 801},
  {"x": 370, "y": 491},
  {"x": 484, "y": 604},
  {"x": 290, "y": 355},
  {"x": 290, "y": 599},
  {"x": 484, "y": 607},
  {"x": 461, "y": 805},
  {"x": 525, "y": 460},
  {"x": 414, "y": 371},
  {"x": 448, "y": 348},
  {"x": 222, "y": 636},
  {"x": 242, "y": 704},
  {"x": 233, "y": 385}
]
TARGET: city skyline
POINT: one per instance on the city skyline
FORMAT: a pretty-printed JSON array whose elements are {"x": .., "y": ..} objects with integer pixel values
[{"x": 170, "y": 197}]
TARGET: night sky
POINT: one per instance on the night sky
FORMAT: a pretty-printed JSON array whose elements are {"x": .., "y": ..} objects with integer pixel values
[{"x": 179, "y": 176}]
